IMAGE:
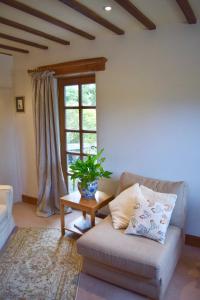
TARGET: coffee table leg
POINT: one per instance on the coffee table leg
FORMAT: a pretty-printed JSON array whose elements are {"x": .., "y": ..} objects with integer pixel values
[
  {"x": 62, "y": 218},
  {"x": 92, "y": 219}
]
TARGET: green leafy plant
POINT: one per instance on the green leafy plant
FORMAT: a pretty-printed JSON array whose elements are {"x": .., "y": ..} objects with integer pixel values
[{"x": 89, "y": 170}]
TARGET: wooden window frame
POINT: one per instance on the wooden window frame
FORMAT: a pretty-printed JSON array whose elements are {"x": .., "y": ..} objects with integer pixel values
[{"x": 62, "y": 82}]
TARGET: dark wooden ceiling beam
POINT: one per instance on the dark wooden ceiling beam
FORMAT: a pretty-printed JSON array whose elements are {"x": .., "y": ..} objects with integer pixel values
[
  {"x": 36, "y": 13},
  {"x": 84, "y": 10},
  {"x": 187, "y": 10},
  {"x": 22, "y": 41},
  {"x": 136, "y": 13},
  {"x": 13, "y": 48},
  {"x": 33, "y": 31}
]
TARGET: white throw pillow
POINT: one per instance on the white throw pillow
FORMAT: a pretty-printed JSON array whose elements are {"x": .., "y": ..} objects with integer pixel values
[
  {"x": 122, "y": 206},
  {"x": 152, "y": 215}
]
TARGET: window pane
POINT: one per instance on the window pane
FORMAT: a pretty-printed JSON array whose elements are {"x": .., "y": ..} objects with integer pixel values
[
  {"x": 71, "y": 159},
  {"x": 89, "y": 94},
  {"x": 89, "y": 119},
  {"x": 72, "y": 188},
  {"x": 89, "y": 143},
  {"x": 71, "y": 95},
  {"x": 72, "y": 119},
  {"x": 73, "y": 142}
]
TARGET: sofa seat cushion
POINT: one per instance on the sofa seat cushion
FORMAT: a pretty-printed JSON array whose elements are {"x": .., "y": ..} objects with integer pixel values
[
  {"x": 3, "y": 213},
  {"x": 134, "y": 254}
]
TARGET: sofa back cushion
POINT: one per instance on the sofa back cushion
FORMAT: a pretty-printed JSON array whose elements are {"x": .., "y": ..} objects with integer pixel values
[{"x": 179, "y": 188}]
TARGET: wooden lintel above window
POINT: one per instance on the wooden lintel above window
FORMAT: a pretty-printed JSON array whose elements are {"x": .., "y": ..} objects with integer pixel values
[{"x": 76, "y": 66}]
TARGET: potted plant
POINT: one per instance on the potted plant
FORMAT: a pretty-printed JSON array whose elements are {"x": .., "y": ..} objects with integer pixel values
[{"x": 88, "y": 172}]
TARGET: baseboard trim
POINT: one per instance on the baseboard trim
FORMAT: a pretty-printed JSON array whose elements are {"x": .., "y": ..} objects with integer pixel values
[
  {"x": 192, "y": 240},
  {"x": 29, "y": 199}
]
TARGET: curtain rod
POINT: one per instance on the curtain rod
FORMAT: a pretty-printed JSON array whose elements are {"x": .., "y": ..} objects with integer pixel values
[
  {"x": 81, "y": 65},
  {"x": 39, "y": 69}
]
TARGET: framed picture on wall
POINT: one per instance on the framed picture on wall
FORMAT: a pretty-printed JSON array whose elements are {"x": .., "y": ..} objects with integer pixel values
[{"x": 20, "y": 104}]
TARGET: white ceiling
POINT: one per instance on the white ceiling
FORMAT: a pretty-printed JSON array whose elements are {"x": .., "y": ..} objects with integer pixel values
[{"x": 161, "y": 12}]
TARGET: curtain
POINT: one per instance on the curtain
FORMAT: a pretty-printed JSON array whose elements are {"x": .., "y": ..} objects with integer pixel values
[{"x": 51, "y": 183}]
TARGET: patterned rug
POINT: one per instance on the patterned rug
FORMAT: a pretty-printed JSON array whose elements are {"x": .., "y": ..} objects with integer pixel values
[{"x": 38, "y": 264}]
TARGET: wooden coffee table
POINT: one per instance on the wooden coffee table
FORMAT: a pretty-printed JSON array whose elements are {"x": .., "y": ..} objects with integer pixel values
[{"x": 87, "y": 206}]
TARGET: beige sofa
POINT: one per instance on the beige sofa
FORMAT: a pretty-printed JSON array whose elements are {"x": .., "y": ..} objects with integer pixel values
[
  {"x": 136, "y": 263},
  {"x": 6, "y": 219}
]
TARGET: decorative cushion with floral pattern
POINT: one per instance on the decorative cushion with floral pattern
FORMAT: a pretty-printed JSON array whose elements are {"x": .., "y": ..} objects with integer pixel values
[{"x": 151, "y": 218}]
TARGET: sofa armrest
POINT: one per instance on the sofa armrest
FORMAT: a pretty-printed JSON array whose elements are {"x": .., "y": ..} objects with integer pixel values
[{"x": 6, "y": 197}]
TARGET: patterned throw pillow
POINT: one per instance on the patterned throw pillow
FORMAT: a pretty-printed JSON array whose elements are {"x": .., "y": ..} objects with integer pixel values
[
  {"x": 151, "y": 219},
  {"x": 152, "y": 196}
]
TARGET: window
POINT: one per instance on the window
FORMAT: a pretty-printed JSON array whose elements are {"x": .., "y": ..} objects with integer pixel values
[{"x": 77, "y": 106}]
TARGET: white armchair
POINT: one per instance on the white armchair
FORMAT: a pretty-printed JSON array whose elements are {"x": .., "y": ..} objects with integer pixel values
[{"x": 6, "y": 219}]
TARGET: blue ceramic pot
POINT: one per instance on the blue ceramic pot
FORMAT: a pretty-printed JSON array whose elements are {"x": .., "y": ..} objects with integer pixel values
[{"x": 89, "y": 191}]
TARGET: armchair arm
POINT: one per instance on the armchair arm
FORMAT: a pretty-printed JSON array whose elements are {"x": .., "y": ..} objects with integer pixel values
[{"x": 6, "y": 197}]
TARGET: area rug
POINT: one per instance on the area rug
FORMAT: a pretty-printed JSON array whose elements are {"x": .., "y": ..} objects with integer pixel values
[{"x": 38, "y": 264}]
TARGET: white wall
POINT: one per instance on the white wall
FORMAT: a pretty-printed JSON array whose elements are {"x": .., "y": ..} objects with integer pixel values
[
  {"x": 9, "y": 172},
  {"x": 148, "y": 106}
]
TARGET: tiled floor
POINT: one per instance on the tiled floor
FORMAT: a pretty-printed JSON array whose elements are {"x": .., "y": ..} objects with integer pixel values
[{"x": 185, "y": 284}]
